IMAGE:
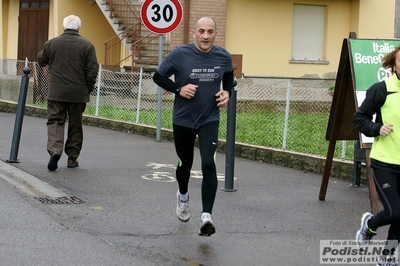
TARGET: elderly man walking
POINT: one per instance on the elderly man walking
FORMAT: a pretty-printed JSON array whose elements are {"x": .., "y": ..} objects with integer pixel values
[{"x": 73, "y": 70}]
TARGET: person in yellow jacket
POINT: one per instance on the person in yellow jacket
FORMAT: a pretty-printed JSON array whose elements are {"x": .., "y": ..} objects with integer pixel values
[{"x": 383, "y": 100}]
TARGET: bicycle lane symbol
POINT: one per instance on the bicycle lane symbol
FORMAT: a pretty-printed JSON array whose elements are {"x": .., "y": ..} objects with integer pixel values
[
  {"x": 169, "y": 176},
  {"x": 159, "y": 176}
]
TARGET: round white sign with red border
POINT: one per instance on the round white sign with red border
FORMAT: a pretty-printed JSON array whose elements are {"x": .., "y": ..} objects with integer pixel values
[{"x": 161, "y": 16}]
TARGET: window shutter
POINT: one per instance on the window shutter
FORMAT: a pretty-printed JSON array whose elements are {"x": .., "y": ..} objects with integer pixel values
[{"x": 308, "y": 32}]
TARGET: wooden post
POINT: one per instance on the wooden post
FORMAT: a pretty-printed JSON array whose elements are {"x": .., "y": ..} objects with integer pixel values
[{"x": 373, "y": 195}]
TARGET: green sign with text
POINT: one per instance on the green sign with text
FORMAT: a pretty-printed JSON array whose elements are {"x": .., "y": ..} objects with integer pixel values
[{"x": 367, "y": 58}]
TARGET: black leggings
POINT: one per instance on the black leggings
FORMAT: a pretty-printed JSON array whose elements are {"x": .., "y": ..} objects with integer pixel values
[
  {"x": 388, "y": 188},
  {"x": 184, "y": 139}
]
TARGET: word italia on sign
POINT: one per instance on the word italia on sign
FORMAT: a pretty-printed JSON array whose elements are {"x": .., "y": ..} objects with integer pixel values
[{"x": 383, "y": 48}]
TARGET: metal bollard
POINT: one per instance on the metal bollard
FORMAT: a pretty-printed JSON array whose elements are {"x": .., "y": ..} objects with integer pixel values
[
  {"x": 230, "y": 141},
  {"x": 19, "y": 116}
]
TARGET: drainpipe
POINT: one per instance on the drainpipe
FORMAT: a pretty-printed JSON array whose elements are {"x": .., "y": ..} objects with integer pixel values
[
  {"x": 186, "y": 22},
  {"x": 397, "y": 20}
]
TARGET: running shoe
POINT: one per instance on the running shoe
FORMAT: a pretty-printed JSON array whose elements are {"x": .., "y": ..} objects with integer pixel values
[
  {"x": 364, "y": 234},
  {"x": 182, "y": 209},
  {"x": 207, "y": 226}
]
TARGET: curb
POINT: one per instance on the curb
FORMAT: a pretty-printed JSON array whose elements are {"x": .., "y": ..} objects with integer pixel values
[{"x": 28, "y": 183}]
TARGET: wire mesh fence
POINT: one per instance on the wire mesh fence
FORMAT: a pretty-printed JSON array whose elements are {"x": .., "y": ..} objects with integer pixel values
[{"x": 279, "y": 115}]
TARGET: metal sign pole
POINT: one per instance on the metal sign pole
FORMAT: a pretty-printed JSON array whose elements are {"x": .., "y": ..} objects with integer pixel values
[
  {"x": 161, "y": 24},
  {"x": 159, "y": 96}
]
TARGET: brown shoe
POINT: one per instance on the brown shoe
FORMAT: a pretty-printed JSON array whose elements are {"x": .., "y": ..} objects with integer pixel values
[{"x": 72, "y": 163}]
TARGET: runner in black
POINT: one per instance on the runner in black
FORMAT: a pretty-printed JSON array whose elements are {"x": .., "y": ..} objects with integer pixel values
[{"x": 198, "y": 69}]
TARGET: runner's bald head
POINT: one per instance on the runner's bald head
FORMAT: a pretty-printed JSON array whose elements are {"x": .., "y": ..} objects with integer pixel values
[{"x": 205, "y": 19}]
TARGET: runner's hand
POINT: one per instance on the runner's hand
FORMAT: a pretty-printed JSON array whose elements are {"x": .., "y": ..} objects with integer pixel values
[
  {"x": 188, "y": 91},
  {"x": 386, "y": 130},
  {"x": 222, "y": 98}
]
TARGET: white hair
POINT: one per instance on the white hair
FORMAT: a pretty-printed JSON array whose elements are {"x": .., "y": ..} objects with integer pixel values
[{"x": 72, "y": 22}]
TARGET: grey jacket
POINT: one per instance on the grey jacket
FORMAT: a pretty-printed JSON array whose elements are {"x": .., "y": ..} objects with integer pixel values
[{"x": 73, "y": 67}]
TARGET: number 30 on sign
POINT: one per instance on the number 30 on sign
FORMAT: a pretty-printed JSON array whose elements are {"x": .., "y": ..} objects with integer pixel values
[{"x": 161, "y": 16}]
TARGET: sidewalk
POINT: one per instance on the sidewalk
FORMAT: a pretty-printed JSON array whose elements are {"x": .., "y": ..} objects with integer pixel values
[{"x": 128, "y": 216}]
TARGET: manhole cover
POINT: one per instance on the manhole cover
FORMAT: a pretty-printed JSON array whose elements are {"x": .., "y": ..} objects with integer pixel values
[{"x": 61, "y": 200}]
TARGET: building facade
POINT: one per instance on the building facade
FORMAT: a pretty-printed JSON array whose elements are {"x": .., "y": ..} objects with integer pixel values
[{"x": 273, "y": 38}]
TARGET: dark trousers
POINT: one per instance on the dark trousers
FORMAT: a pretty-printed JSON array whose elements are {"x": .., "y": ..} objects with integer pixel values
[
  {"x": 57, "y": 113},
  {"x": 184, "y": 139}
]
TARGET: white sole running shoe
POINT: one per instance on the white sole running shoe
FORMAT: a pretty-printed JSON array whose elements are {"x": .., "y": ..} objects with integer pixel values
[
  {"x": 207, "y": 227},
  {"x": 182, "y": 209}
]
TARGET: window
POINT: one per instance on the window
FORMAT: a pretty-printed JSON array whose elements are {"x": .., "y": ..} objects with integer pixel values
[
  {"x": 308, "y": 34},
  {"x": 34, "y": 4}
]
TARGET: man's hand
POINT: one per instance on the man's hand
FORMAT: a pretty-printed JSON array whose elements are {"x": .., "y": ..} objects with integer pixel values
[
  {"x": 188, "y": 91},
  {"x": 222, "y": 98}
]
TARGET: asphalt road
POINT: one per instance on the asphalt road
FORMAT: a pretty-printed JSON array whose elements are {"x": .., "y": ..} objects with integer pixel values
[{"x": 128, "y": 215}]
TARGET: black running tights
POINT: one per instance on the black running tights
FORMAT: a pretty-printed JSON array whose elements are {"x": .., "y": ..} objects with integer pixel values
[
  {"x": 184, "y": 139},
  {"x": 388, "y": 188}
]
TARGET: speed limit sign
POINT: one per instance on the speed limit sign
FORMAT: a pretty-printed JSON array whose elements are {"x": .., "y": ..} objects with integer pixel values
[{"x": 161, "y": 16}]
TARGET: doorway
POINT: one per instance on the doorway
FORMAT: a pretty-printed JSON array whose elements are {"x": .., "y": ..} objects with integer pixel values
[
  {"x": 33, "y": 28},
  {"x": 33, "y": 32}
]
